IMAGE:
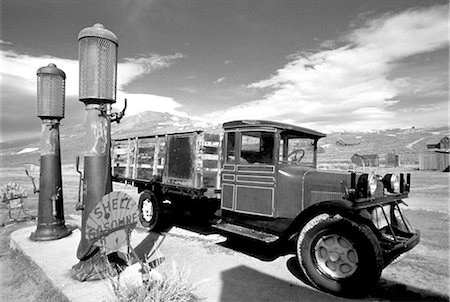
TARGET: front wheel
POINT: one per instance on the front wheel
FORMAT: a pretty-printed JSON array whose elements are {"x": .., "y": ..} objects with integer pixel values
[
  {"x": 340, "y": 257},
  {"x": 150, "y": 211}
]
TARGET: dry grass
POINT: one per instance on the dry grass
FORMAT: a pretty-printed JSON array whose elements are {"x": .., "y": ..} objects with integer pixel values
[
  {"x": 26, "y": 279},
  {"x": 167, "y": 285}
]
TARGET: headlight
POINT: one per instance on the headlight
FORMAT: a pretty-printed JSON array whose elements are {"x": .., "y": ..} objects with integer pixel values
[
  {"x": 372, "y": 183},
  {"x": 369, "y": 185},
  {"x": 392, "y": 182}
]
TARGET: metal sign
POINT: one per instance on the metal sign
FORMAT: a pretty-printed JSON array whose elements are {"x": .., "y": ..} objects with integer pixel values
[
  {"x": 116, "y": 241},
  {"x": 116, "y": 211}
]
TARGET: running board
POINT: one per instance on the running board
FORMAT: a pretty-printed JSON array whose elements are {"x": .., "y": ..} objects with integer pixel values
[{"x": 246, "y": 232}]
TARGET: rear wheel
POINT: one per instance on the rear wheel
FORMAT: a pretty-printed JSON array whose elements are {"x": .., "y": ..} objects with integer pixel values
[
  {"x": 150, "y": 211},
  {"x": 341, "y": 257}
]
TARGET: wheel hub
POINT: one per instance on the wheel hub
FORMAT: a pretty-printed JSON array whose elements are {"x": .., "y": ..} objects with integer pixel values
[
  {"x": 147, "y": 210},
  {"x": 336, "y": 256}
]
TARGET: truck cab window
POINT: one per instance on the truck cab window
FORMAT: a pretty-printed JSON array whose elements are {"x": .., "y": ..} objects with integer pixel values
[
  {"x": 230, "y": 156},
  {"x": 257, "y": 147}
]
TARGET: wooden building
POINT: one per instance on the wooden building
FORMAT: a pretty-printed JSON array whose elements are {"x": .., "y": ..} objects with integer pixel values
[
  {"x": 392, "y": 160},
  {"x": 442, "y": 143},
  {"x": 437, "y": 155},
  {"x": 366, "y": 160},
  {"x": 434, "y": 160}
]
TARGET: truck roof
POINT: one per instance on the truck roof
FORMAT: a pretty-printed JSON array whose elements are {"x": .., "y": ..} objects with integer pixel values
[{"x": 270, "y": 124}]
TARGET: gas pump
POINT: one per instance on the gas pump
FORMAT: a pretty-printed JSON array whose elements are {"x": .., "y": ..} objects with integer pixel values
[
  {"x": 97, "y": 51},
  {"x": 50, "y": 109}
]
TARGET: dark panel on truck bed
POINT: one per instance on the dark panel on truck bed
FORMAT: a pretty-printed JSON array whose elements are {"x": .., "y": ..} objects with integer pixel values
[{"x": 180, "y": 157}]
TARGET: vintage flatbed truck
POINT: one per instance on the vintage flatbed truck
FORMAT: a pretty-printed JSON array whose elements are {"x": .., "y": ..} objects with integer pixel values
[{"x": 261, "y": 181}]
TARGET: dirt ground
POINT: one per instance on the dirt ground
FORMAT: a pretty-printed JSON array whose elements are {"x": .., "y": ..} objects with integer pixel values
[
  {"x": 21, "y": 279},
  {"x": 420, "y": 275}
]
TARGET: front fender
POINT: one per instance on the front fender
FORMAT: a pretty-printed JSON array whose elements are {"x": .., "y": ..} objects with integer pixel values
[{"x": 333, "y": 207}]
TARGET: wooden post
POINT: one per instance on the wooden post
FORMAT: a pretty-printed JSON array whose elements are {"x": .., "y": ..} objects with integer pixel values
[
  {"x": 156, "y": 156},
  {"x": 136, "y": 154},
  {"x": 127, "y": 167}
]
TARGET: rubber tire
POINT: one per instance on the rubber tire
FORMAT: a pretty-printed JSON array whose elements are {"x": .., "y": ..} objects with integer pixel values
[
  {"x": 156, "y": 222},
  {"x": 370, "y": 257}
]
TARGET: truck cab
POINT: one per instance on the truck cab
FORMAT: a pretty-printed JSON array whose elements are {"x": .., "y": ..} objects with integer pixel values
[
  {"x": 345, "y": 226},
  {"x": 264, "y": 164}
]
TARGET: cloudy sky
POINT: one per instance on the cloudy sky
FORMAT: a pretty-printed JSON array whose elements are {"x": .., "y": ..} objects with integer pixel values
[{"x": 325, "y": 64}]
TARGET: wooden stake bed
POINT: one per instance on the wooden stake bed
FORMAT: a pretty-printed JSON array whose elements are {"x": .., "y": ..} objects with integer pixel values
[{"x": 192, "y": 162}]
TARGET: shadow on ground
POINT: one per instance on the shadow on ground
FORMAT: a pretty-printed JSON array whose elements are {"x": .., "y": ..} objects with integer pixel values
[
  {"x": 386, "y": 290},
  {"x": 243, "y": 283}
]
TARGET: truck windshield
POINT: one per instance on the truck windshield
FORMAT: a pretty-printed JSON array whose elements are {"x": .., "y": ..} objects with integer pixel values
[{"x": 296, "y": 150}]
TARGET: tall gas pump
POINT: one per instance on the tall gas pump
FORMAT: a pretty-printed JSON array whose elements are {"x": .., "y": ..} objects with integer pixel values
[
  {"x": 50, "y": 109},
  {"x": 97, "y": 54}
]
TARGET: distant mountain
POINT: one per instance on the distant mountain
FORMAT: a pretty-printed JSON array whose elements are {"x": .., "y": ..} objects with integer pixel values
[
  {"x": 17, "y": 143},
  {"x": 335, "y": 149},
  {"x": 149, "y": 123},
  {"x": 72, "y": 138}
]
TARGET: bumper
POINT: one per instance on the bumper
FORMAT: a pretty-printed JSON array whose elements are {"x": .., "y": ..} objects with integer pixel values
[
  {"x": 367, "y": 203},
  {"x": 394, "y": 246},
  {"x": 395, "y": 233}
]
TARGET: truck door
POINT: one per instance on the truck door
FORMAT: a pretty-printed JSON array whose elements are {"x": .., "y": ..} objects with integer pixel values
[{"x": 248, "y": 179}]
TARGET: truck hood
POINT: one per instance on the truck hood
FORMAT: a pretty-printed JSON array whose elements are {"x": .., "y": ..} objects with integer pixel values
[{"x": 316, "y": 185}]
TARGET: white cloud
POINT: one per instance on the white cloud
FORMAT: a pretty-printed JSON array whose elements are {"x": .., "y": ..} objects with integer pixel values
[
  {"x": 349, "y": 86},
  {"x": 137, "y": 103},
  {"x": 219, "y": 80},
  {"x": 23, "y": 67},
  {"x": 411, "y": 32},
  {"x": 188, "y": 89},
  {"x": 133, "y": 68},
  {"x": 422, "y": 116},
  {"x": 18, "y": 73}
]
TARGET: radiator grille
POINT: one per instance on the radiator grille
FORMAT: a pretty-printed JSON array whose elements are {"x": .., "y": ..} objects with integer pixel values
[{"x": 317, "y": 196}]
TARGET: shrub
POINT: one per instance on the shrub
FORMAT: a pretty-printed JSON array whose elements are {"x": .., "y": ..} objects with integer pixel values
[
  {"x": 11, "y": 190},
  {"x": 166, "y": 286}
]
